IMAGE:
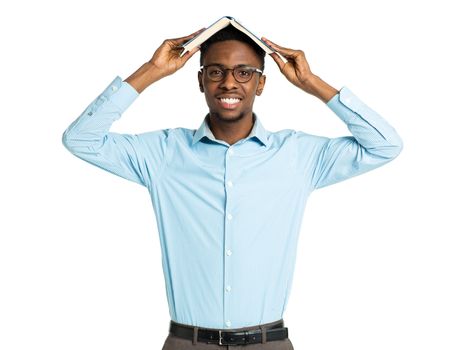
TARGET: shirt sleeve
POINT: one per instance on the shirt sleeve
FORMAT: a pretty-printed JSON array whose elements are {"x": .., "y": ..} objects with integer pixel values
[
  {"x": 374, "y": 142},
  {"x": 130, "y": 156}
]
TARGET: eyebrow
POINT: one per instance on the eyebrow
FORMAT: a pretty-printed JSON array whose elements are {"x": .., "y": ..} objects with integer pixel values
[{"x": 222, "y": 65}]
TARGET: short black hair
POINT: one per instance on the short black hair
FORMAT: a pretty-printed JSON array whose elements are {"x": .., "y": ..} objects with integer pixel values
[{"x": 231, "y": 33}]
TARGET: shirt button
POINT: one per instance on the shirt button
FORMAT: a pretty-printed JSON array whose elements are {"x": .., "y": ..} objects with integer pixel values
[
  {"x": 230, "y": 183},
  {"x": 230, "y": 216},
  {"x": 228, "y": 288},
  {"x": 229, "y": 252},
  {"x": 228, "y": 323},
  {"x": 231, "y": 151},
  {"x": 114, "y": 88}
]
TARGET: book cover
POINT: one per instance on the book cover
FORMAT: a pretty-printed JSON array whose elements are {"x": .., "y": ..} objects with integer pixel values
[{"x": 217, "y": 26}]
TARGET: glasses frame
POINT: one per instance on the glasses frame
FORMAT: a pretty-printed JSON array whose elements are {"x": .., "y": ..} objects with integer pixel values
[{"x": 253, "y": 69}]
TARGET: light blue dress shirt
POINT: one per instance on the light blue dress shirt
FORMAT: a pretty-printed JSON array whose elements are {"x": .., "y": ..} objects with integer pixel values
[{"x": 229, "y": 216}]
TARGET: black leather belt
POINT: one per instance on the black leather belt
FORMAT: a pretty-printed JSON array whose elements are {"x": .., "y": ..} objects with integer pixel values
[{"x": 225, "y": 337}]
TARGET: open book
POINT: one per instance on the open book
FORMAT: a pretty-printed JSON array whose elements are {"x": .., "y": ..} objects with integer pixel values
[{"x": 218, "y": 25}]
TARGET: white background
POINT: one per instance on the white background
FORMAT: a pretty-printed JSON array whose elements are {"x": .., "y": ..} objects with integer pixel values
[{"x": 379, "y": 258}]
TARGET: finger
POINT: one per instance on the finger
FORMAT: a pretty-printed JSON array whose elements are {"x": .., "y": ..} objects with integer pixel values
[
  {"x": 283, "y": 50},
  {"x": 179, "y": 41},
  {"x": 188, "y": 54},
  {"x": 280, "y": 63},
  {"x": 279, "y": 47}
]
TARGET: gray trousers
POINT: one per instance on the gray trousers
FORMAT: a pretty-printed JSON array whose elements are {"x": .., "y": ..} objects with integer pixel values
[{"x": 176, "y": 343}]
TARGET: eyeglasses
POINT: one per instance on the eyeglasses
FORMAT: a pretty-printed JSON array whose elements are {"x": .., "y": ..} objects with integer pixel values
[{"x": 242, "y": 74}]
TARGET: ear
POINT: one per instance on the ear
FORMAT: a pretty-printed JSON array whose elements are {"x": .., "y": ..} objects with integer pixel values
[
  {"x": 261, "y": 85},
  {"x": 199, "y": 77}
]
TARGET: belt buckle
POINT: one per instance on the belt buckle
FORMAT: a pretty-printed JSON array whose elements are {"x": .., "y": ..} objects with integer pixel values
[{"x": 220, "y": 338}]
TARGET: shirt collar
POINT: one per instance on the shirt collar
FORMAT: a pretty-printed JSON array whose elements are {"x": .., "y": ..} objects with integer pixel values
[{"x": 258, "y": 131}]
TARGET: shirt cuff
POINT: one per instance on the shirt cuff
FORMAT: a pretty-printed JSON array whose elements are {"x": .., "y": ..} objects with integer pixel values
[
  {"x": 120, "y": 93},
  {"x": 354, "y": 112},
  {"x": 346, "y": 98}
]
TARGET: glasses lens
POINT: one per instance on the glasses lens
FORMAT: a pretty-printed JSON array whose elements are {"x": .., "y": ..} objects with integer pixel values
[
  {"x": 243, "y": 74},
  {"x": 215, "y": 73}
]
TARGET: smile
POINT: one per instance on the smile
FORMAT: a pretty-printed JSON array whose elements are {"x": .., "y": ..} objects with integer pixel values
[{"x": 229, "y": 103}]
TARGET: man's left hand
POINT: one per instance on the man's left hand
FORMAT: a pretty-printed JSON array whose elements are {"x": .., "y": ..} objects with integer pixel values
[{"x": 298, "y": 72}]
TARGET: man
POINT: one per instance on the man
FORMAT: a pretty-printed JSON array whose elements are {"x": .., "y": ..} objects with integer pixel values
[{"x": 229, "y": 197}]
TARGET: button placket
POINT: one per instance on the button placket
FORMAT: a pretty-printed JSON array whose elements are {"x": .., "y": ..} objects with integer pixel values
[{"x": 228, "y": 234}]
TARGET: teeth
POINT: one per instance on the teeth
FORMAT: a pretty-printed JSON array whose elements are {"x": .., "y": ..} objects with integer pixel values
[{"x": 230, "y": 100}]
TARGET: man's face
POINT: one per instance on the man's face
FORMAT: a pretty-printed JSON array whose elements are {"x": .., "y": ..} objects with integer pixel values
[{"x": 229, "y": 54}]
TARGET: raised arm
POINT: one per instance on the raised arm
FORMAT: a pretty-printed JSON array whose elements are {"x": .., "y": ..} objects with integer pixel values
[
  {"x": 166, "y": 60},
  {"x": 88, "y": 137},
  {"x": 325, "y": 161}
]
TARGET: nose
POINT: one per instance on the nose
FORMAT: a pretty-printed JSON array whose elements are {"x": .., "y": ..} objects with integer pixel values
[{"x": 228, "y": 82}]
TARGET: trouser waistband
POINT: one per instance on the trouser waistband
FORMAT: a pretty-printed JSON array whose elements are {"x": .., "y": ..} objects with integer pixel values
[{"x": 235, "y": 336}]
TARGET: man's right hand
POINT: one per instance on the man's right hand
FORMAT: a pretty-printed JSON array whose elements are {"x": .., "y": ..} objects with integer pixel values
[{"x": 166, "y": 60}]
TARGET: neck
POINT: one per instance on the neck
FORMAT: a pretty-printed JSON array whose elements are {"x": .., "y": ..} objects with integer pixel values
[{"x": 230, "y": 131}]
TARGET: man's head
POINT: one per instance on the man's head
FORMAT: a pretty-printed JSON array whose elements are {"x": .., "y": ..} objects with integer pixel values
[
  {"x": 231, "y": 33},
  {"x": 229, "y": 98}
]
